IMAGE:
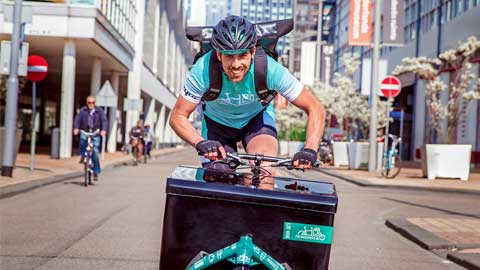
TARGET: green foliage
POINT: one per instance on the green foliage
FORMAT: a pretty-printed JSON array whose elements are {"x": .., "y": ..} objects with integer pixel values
[
  {"x": 298, "y": 133},
  {"x": 282, "y": 135}
]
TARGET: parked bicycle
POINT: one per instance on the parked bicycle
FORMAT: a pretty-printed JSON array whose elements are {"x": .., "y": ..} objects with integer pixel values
[
  {"x": 325, "y": 152},
  {"x": 88, "y": 157},
  {"x": 391, "y": 158}
]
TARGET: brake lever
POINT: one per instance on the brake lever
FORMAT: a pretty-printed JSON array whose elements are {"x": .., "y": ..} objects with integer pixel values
[{"x": 233, "y": 161}]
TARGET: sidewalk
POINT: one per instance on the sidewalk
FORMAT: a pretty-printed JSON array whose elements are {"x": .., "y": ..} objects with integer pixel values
[
  {"x": 48, "y": 171},
  {"x": 409, "y": 178},
  {"x": 456, "y": 238}
]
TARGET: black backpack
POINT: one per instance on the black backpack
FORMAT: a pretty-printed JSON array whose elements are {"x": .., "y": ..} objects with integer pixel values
[{"x": 268, "y": 34}]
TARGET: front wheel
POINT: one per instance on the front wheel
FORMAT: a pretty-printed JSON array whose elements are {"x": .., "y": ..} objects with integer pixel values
[
  {"x": 86, "y": 172},
  {"x": 135, "y": 156},
  {"x": 393, "y": 169}
]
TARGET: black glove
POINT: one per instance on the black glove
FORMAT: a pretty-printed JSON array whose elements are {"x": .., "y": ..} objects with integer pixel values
[
  {"x": 305, "y": 156},
  {"x": 206, "y": 146}
]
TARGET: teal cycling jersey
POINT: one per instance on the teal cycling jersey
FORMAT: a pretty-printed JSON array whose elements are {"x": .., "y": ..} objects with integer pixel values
[{"x": 238, "y": 102}]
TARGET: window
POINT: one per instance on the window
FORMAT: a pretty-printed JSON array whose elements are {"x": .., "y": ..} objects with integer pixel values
[
  {"x": 455, "y": 8},
  {"x": 466, "y": 5},
  {"x": 433, "y": 19}
]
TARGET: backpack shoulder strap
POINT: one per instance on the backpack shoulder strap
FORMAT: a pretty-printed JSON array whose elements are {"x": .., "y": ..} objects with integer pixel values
[
  {"x": 260, "y": 74},
  {"x": 215, "y": 74}
]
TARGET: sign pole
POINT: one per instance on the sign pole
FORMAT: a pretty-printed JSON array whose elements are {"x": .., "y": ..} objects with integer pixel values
[
  {"x": 34, "y": 135},
  {"x": 385, "y": 142},
  {"x": 36, "y": 71},
  {"x": 374, "y": 91},
  {"x": 12, "y": 96},
  {"x": 103, "y": 138}
]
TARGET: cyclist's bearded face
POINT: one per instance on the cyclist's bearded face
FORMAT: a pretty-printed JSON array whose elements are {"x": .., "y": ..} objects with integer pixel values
[{"x": 236, "y": 66}]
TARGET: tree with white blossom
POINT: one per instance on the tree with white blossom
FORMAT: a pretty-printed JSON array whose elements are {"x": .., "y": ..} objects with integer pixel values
[
  {"x": 345, "y": 102},
  {"x": 463, "y": 88}
]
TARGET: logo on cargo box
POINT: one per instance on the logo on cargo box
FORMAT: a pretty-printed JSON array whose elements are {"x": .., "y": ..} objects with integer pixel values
[{"x": 307, "y": 233}]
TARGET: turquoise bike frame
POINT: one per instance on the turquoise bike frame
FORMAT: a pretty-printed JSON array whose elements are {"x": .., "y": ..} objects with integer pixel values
[{"x": 244, "y": 252}]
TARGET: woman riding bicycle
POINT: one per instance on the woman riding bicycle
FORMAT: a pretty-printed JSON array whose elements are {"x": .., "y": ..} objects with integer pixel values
[{"x": 137, "y": 134}]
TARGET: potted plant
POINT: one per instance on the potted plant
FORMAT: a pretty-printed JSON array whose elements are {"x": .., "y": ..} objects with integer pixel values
[{"x": 444, "y": 115}]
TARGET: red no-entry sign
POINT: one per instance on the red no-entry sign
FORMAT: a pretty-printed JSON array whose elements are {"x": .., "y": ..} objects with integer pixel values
[
  {"x": 390, "y": 86},
  {"x": 37, "y": 68}
]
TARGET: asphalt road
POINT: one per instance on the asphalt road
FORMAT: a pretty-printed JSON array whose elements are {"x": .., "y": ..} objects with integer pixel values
[{"x": 116, "y": 224}]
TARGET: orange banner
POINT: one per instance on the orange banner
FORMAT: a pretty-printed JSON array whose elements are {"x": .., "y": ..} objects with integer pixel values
[{"x": 360, "y": 28}]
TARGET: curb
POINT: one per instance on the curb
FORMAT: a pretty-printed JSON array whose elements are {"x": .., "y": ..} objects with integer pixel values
[
  {"x": 423, "y": 238},
  {"x": 364, "y": 183},
  {"x": 469, "y": 261},
  {"x": 433, "y": 243},
  {"x": 15, "y": 189}
]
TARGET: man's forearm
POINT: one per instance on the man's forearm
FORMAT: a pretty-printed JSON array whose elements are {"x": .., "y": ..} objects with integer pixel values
[
  {"x": 184, "y": 129},
  {"x": 315, "y": 127}
]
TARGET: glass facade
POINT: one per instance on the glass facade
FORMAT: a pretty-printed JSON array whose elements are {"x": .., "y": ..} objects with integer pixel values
[
  {"x": 120, "y": 13},
  {"x": 268, "y": 10}
]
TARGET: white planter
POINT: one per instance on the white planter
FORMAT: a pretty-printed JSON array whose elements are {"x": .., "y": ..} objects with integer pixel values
[
  {"x": 448, "y": 161},
  {"x": 294, "y": 147},
  {"x": 358, "y": 155},
  {"x": 283, "y": 148},
  {"x": 340, "y": 154}
]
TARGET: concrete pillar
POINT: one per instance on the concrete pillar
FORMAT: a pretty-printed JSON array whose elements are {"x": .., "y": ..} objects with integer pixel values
[
  {"x": 166, "y": 56},
  {"x": 112, "y": 118},
  {"x": 67, "y": 98},
  {"x": 134, "y": 76},
  {"x": 171, "y": 72},
  {"x": 160, "y": 126},
  {"x": 178, "y": 72},
  {"x": 96, "y": 79},
  {"x": 168, "y": 131},
  {"x": 150, "y": 115},
  {"x": 156, "y": 38},
  {"x": 419, "y": 110}
]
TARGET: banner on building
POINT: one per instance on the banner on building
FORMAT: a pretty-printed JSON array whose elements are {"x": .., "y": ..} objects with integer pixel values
[
  {"x": 393, "y": 23},
  {"x": 360, "y": 30},
  {"x": 307, "y": 66}
]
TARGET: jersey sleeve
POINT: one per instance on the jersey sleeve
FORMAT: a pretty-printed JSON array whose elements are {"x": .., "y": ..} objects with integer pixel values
[
  {"x": 281, "y": 80},
  {"x": 197, "y": 81}
]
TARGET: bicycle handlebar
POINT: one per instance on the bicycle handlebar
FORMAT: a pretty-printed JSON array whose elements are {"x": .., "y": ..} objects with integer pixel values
[
  {"x": 237, "y": 160},
  {"x": 90, "y": 133}
]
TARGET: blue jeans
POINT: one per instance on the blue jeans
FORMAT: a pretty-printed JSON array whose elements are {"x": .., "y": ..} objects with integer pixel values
[{"x": 96, "y": 146}]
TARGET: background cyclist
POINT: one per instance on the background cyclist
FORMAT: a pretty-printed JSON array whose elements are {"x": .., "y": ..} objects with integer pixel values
[
  {"x": 237, "y": 114},
  {"x": 148, "y": 139},
  {"x": 137, "y": 134},
  {"x": 91, "y": 118}
]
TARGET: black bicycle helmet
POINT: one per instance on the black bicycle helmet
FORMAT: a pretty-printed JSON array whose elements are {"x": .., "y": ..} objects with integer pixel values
[{"x": 233, "y": 35}]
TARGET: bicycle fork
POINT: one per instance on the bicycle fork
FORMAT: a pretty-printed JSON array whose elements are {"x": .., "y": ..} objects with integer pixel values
[{"x": 243, "y": 253}]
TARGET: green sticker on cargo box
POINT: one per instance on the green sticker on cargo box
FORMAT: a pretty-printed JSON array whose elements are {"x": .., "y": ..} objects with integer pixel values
[{"x": 307, "y": 233}]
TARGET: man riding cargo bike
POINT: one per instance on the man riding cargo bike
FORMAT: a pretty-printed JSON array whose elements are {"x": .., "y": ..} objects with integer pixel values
[
  {"x": 236, "y": 81},
  {"x": 234, "y": 78}
]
